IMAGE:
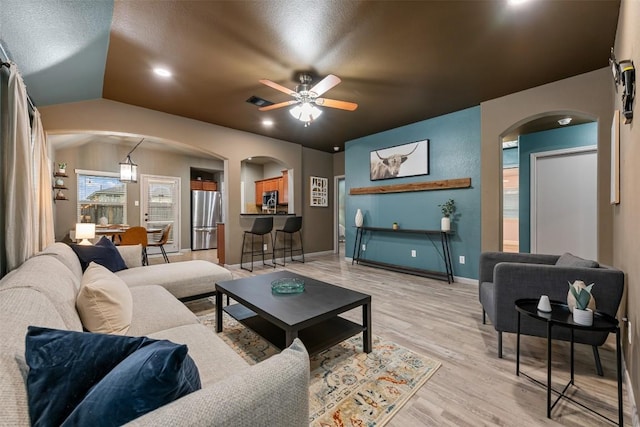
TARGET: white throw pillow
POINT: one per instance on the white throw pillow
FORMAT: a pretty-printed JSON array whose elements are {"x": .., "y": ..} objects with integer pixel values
[
  {"x": 104, "y": 302},
  {"x": 131, "y": 254}
]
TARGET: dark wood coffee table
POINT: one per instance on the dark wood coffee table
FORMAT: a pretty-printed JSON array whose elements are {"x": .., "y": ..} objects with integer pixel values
[{"x": 312, "y": 316}]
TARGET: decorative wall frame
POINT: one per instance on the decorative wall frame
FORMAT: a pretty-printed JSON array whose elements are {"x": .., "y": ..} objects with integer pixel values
[
  {"x": 319, "y": 190},
  {"x": 615, "y": 158},
  {"x": 399, "y": 161}
]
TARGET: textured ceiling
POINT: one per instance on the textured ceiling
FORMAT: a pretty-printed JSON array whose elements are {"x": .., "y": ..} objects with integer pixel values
[{"x": 402, "y": 62}]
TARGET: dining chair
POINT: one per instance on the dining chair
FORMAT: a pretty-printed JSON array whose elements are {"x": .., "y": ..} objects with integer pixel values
[
  {"x": 163, "y": 241},
  {"x": 135, "y": 236}
]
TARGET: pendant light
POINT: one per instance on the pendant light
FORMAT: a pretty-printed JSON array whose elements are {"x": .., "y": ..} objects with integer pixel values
[{"x": 128, "y": 169}]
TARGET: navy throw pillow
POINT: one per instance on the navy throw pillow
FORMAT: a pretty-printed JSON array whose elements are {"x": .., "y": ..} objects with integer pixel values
[
  {"x": 65, "y": 367},
  {"x": 104, "y": 253},
  {"x": 153, "y": 376}
]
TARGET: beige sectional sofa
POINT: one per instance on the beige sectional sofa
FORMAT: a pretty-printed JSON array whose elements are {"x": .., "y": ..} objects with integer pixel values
[{"x": 43, "y": 291}]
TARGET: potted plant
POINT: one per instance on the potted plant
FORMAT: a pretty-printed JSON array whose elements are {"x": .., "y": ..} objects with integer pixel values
[
  {"x": 582, "y": 314},
  {"x": 447, "y": 208},
  {"x": 62, "y": 167}
]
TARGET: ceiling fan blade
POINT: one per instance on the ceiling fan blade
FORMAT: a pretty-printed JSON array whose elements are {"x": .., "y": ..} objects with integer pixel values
[
  {"x": 276, "y": 86},
  {"x": 325, "y": 84},
  {"x": 278, "y": 105},
  {"x": 334, "y": 103}
]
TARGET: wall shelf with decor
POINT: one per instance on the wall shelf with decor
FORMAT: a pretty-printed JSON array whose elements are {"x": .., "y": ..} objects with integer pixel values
[{"x": 58, "y": 186}]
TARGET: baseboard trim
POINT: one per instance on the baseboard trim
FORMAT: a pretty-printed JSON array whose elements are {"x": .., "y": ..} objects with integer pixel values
[
  {"x": 633, "y": 409},
  {"x": 465, "y": 280}
]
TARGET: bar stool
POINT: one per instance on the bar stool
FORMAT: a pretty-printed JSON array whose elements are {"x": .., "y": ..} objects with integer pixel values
[
  {"x": 291, "y": 226},
  {"x": 261, "y": 226}
]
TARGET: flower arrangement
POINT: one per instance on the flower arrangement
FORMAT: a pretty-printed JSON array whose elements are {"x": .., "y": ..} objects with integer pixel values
[{"x": 448, "y": 208}]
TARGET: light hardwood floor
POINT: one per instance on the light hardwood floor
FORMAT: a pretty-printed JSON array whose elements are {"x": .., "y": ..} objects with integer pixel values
[{"x": 444, "y": 321}]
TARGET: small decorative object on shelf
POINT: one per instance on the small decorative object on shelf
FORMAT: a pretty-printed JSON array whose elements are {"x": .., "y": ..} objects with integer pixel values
[
  {"x": 582, "y": 314},
  {"x": 447, "y": 208},
  {"x": 60, "y": 195},
  {"x": 62, "y": 168},
  {"x": 359, "y": 218},
  {"x": 395, "y": 226},
  {"x": 59, "y": 182},
  {"x": 287, "y": 285}
]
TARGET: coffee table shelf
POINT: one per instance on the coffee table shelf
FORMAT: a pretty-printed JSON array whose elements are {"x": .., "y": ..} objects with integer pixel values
[{"x": 316, "y": 338}]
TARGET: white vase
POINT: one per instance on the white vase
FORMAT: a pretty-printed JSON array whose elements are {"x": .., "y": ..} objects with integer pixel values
[
  {"x": 583, "y": 317},
  {"x": 445, "y": 223},
  {"x": 359, "y": 218}
]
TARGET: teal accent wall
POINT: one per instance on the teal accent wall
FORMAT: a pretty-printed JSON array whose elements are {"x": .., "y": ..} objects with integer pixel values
[
  {"x": 454, "y": 152},
  {"x": 555, "y": 139}
]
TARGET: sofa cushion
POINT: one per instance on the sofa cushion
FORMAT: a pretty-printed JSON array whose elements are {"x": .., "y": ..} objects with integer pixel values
[
  {"x": 48, "y": 275},
  {"x": 104, "y": 253},
  {"x": 570, "y": 260},
  {"x": 207, "y": 349},
  {"x": 155, "y": 309},
  {"x": 182, "y": 279},
  {"x": 104, "y": 302},
  {"x": 66, "y": 255},
  {"x": 66, "y": 368}
]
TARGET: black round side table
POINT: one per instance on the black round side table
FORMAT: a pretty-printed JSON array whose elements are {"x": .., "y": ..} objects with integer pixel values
[{"x": 560, "y": 315}]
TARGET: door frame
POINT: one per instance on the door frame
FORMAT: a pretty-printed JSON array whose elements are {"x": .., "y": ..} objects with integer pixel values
[
  {"x": 177, "y": 222},
  {"x": 336, "y": 212},
  {"x": 532, "y": 193}
]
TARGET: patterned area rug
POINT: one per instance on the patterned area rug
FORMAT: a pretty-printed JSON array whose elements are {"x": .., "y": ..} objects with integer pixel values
[{"x": 348, "y": 387}]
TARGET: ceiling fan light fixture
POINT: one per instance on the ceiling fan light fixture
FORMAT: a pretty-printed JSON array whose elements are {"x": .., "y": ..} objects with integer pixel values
[
  {"x": 565, "y": 121},
  {"x": 305, "y": 112}
]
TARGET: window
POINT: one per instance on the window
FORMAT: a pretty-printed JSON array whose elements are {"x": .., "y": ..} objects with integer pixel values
[{"x": 102, "y": 198}]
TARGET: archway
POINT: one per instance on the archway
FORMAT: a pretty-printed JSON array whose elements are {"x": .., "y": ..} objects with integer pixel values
[{"x": 558, "y": 130}]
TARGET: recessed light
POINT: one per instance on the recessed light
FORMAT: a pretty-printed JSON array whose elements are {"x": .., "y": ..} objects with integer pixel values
[
  {"x": 267, "y": 122},
  {"x": 565, "y": 121},
  {"x": 249, "y": 158},
  {"x": 336, "y": 148},
  {"x": 162, "y": 72},
  {"x": 517, "y": 2}
]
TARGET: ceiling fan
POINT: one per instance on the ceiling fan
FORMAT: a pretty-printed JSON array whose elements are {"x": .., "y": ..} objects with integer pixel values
[{"x": 307, "y": 98}]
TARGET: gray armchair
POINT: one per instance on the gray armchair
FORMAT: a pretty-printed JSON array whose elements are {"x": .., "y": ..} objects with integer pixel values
[{"x": 506, "y": 277}]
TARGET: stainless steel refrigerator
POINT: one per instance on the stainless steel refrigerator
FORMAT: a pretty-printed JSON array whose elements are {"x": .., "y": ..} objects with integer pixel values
[{"x": 206, "y": 212}]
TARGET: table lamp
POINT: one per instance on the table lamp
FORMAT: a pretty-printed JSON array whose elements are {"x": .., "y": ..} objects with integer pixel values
[{"x": 85, "y": 231}]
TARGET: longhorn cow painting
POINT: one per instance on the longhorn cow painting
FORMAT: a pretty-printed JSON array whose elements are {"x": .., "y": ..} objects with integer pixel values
[{"x": 400, "y": 161}]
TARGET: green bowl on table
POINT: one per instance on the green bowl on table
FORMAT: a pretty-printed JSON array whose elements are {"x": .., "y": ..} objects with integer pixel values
[{"x": 287, "y": 285}]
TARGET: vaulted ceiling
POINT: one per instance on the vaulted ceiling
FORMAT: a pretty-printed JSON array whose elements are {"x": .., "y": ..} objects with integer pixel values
[{"x": 401, "y": 62}]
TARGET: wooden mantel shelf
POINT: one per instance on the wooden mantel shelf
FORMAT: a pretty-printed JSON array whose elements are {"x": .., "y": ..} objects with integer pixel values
[{"x": 444, "y": 184}]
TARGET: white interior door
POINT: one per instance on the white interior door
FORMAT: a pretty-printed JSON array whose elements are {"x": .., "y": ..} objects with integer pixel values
[
  {"x": 564, "y": 215},
  {"x": 160, "y": 206}
]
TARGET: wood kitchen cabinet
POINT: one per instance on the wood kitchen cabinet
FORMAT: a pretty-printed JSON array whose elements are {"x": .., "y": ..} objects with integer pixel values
[
  {"x": 259, "y": 190},
  {"x": 280, "y": 183}
]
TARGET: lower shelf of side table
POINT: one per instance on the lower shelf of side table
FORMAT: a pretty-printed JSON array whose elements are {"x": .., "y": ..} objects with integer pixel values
[{"x": 316, "y": 338}]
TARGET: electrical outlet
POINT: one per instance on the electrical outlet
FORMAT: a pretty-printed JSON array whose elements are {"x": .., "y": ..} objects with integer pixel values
[
  {"x": 264, "y": 246},
  {"x": 462, "y": 259},
  {"x": 364, "y": 247},
  {"x": 413, "y": 253},
  {"x": 136, "y": 203}
]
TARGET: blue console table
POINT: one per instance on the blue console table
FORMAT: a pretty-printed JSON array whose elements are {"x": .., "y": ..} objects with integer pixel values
[{"x": 443, "y": 236}]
